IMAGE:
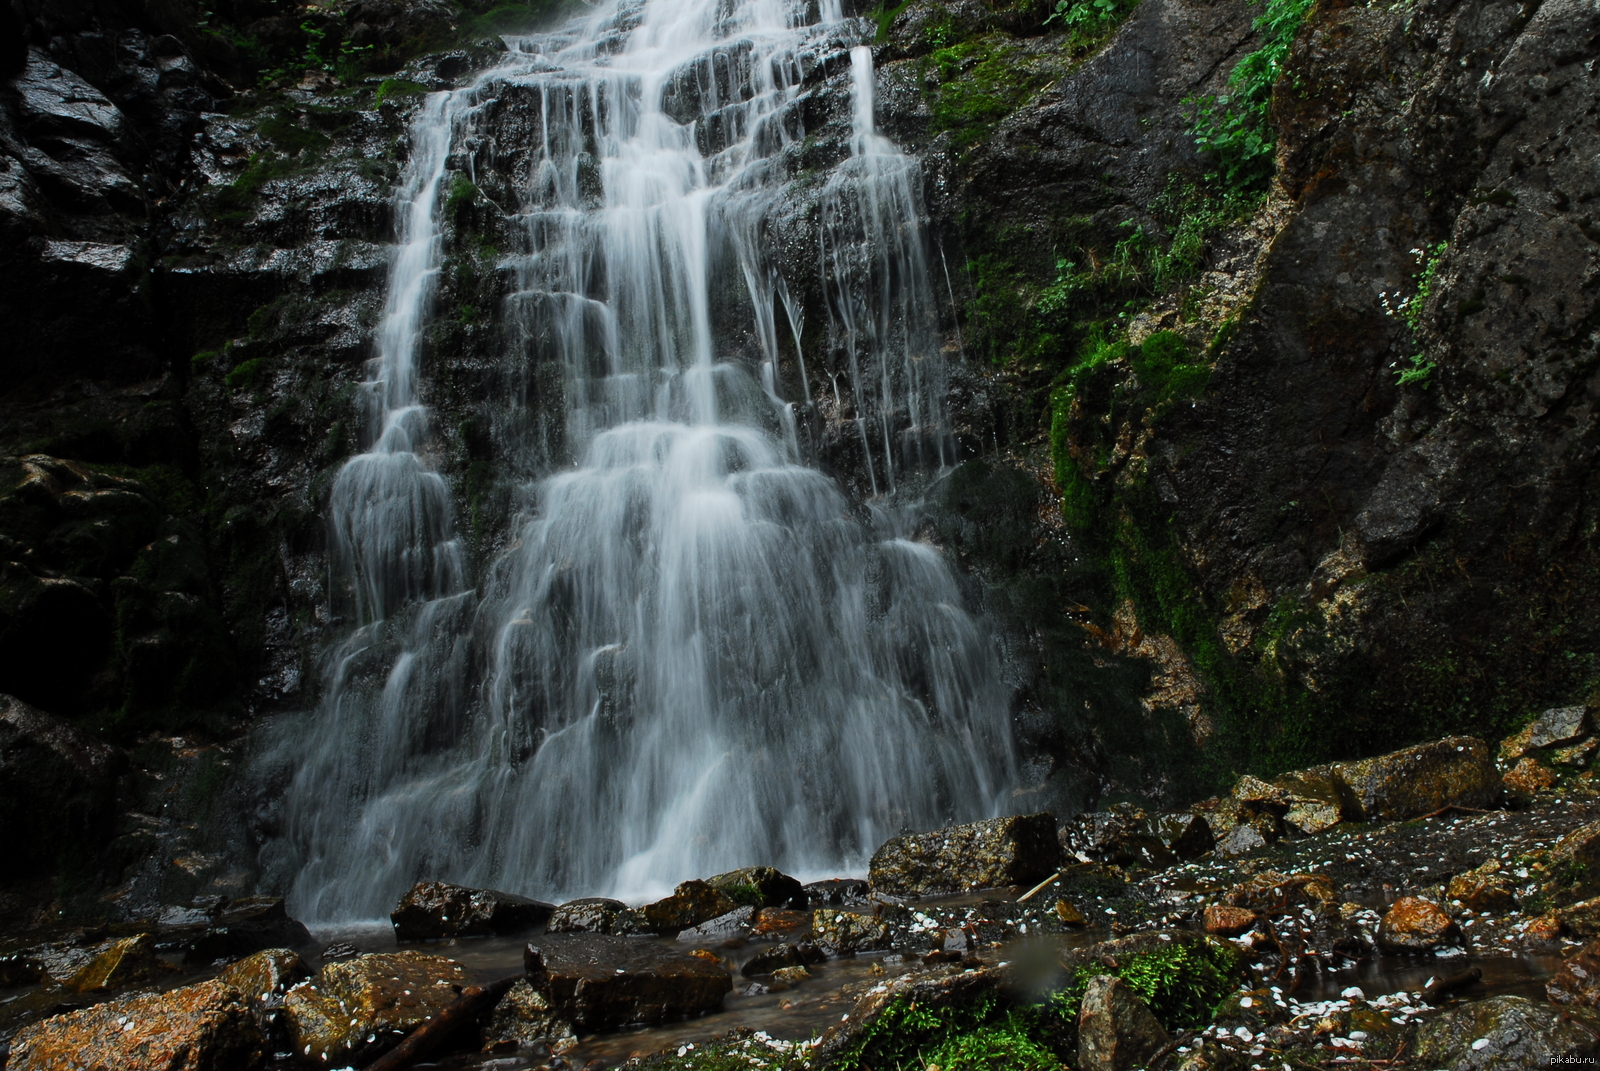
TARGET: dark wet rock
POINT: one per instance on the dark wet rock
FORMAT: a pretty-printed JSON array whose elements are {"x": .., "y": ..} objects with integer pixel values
[
  {"x": 266, "y": 974},
  {"x": 593, "y": 914},
  {"x": 57, "y": 787},
  {"x": 339, "y": 950},
  {"x": 1414, "y": 781},
  {"x": 205, "y": 1027},
  {"x": 436, "y": 910},
  {"x": 598, "y": 982},
  {"x": 119, "y": 964},
  {"x": 1502, "y": 1034},
  {"x": 771, "y": 959},
  {"x": 1124, "y": 835},
  {"x": 838, "y": 892},
  {"x": 1116, "y": 1031},
  {"x": 359, "y": 1008},
  {"x": 1576, "y": 858},
  {"x": 762, "y": 886},
  {"x": 1238, "y": 825},
  {"x": 1413, "y": 924},
  {"x": 1016, "y": 850},
  {"x": 775, "y": 923},
  {"x": 735, "y": 925},
  {"x": 690, "y": 904},
  {"x": 1226, "y": 921},
  {"x": 1560, "y": 725},
  {"x": 844, "y": 933},
  {"x": 1577, "y": 983},
  {"x": 19, "y": 968},
  {"x": 525, "y": 1018},
  {"x": 1581, "y": 919},
  {"x": 1485, "y": 888},
  {"x": 247, "y": 925}
]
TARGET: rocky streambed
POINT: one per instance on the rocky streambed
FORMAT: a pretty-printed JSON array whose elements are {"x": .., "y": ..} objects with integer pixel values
[{"x": 1439, "y": 914}]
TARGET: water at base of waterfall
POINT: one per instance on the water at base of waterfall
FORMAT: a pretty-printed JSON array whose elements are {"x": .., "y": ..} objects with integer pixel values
[{"x": 698, "y": 653}]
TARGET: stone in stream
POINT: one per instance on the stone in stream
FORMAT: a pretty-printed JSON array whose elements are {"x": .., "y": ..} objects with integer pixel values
[
  {"x": 1413, "y": 924},
  {"x": 523, "y": 1019},
  {"x": 266, "y": 974},
  {"x": 1018, "y": 850},
  {"x": 762, "y": 886},
  {"x": 845, "y": 933},
  {"x": 772, "y": 959},
  {"x": 358, "y": 1008},
  {"x": 690, "y": 904},
  {"x": 436, "y": 910},
  {"x": 205, "y": 1027},
  {"x": 1224, "y": 920},
  {"x": 736, "y": 925},
  {"x": 838, "y": 892},
  {"x": 597, "y": 982},
  {"x": 1116, "y": 1031},
  {"x": 118, "y": 964},
  {"x": 1456, "y": 771},
  {"x": 591, "y": 914},
  {"x": 1482, "y": 889},
  {"x": 1502, "y": 1034},
  {"x": 1577, "y": 983},
  {"x": 772, "y": 923},
  {"x": 243, "y": 926}
]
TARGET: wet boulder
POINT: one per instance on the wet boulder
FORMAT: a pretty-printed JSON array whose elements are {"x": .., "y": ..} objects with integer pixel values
[
  {"x": 591, "y": 914},
  {"x": 734, "y": 926},
  {"x": 845, "y": 933},
  {"x": 1527, "y": 779},
  {"x": 690, "y": 904},
  {"x": 1011, "y": 851},
  {"x": 1317, "y": 800},
  {"x": 1238, "y": 826},
  {"x": 1581, "y": 919},
  {"x": 1116, "y": 1031},
  {"x": 205, "y": 1027},
  {"x": 762, "y": 886},
  {"x": 1224, "y": 920},
  {"x": 772, "y": 959},
  {"x": 772, "y": 923},
  {"x": 1484, "y": 888},
  {"x": 244, "y": 926},
  {"x": 437, "y": 910},
  {"x": 1502, "y": 1034},
  {"x": 1557, "y": 726},
  {"x": 1413, "y": 924},
  {"x": 1577, "y": 983},
  {"x": 1272, "y": 891},
  {"x": 1122, "y": 835},
  {"x": 118, "y": 964},
  {"x": 524, "y": 1018},
  {"x": 1419, "y": 780},
  {"x": 1577, "y": 857},
  {"x": 597, "y": 982},
  {"x": 358, "y": 1008},
  {"x": 267, "y": 974},
  {"x": 838, "y": 892}
]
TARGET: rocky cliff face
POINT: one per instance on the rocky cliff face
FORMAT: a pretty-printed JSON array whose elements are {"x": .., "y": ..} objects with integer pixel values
[{"x": 1213, "y": 529}]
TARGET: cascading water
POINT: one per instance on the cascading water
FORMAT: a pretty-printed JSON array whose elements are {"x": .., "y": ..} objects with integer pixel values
[{"x": 697, "y": 654}]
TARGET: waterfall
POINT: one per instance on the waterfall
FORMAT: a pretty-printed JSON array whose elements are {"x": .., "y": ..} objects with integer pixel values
[{"x": 697, "y": 653}]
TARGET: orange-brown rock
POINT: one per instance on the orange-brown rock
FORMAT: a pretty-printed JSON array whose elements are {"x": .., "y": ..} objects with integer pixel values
[
  {"x": 1458, "y": 770},
  {"x": 1581, "y": 919},
  {"x": 1546, "y": 927},
  {"x": 1577, "y": 983},
  {"x": 120, "y": 963},
  {"x": 206, "y": 1027},
  {"x": 776, "y": 924},
  {"x": 361, "y": 1007},
  {"x": 1270, "y": 889},
  {"x": 1413, "y": 924},
  {"x": 1482, "y": 889},
  {"x": 1227, "y": 921},
  {"x": 267, "y": 973},
  {"x": 690, "y": 904},
  {"x": 1070, "y": 915},
  {"x": 1528, "y": 778}
]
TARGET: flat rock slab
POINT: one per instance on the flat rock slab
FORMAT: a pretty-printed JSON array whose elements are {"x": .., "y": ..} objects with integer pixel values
[
  {"x": 361, "y": 1007},
  {"x": 598, "y": 982},
  {"x": 999, "y": 852},
  {"x": 437, "y": 910},
  {"x": 206, "y": 1027}
]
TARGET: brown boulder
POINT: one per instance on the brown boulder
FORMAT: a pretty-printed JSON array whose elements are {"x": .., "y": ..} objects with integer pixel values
[
  {"x": 1271, "y": 890},
  {"x": 1070, "y": 915},
  {"x": 1318, "y": 799},
  {"x": 1419, "y": 780},
  {"x": 120, "y": 963},
  {"x": 1413, "y": 924},
  {"x": 844, "y": 933},
  {"x": 596, "y": 982},
  {"x": 762, "y": 886},
  {"x": 1559, "y": 725},
  {"x": 1116, "y": 1031},
  {"x": 1577, "y": 983},
  {"x": 361, "y": 1007},
  {"x": 525, "y": 1017},
  {"x": 690, "y": 904},
  {"x": 205, "y": 1027},
  {"x": 1575, "y": 858},
  {"x": 1581, "y": 919},
  {"x": 436, "y": 910},
  {"x": 1226, "y": 921},
  {"x": 1482, "y": 889},
  {"x": 592, "y": 914},
  {"x": 245, "y": 926},
  {"x": 1528, "y": 778},
  {"x": 1016, "y": 850},
  {"x": 266, "y": 974}
]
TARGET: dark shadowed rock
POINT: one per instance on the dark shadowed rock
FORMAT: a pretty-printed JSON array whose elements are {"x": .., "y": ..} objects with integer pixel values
[
  {"x": 524, "y": 1018},
  {"x": 358, "y": 1008},
  {"x": 1577, "y": 983},
  {"x": 245, "y": 926},
  {"x": 837, "y": 892},
  {"x": 592, "y": 914},
  {"x": 56, "y": 786},
  {"x": 1502, "y": 1034},
  {"x": 1015, "y": 850},
  {"x": 206, "y": 1027},
  {"x": 761, "y": 886},
  {"x": 118, "y": 964},
  {"x": 1414, "y": 781},
  {"x": 690, "y": 904},
  {"x": 772, "y": 959},
  {"x": 598, "y": 982},
  {"x": 435, "y": 910},
  {"x": 1116, "y": 1031},
  {"x": 1578, "y": 853}
]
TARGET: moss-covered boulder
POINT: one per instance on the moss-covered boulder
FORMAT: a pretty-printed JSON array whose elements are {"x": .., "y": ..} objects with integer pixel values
[
  {"x": 1016, "y": 850},
  {"x": 690, "y": 904},
  {"x": 205, "y": 1027},
  {"x": 762, "y": 886},
  {"x": 1116, "y": 1031},
  {"x": 1503, "y": 1034},
  {"x": 1419, "y": 780},
  {"x": 355, "y": 1010}
]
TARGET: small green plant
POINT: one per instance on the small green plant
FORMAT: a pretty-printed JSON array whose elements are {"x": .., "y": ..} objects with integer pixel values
[
  {"x": 1007, "y": 1045},
  {"x": 1091, "y": 14},
  {"x": 248, "y": 374},
  {"x": 1234, "y": 128},
  {"x": 1181, "y": 983},
  {"x": 1410, "y": 309}
]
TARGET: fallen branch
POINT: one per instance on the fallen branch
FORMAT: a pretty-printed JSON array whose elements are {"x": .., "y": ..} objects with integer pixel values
[
  {"x": 1039, "y": 886},
  {"x": 426, "y": 1038},
  {"x": 1447, "y": 808}
]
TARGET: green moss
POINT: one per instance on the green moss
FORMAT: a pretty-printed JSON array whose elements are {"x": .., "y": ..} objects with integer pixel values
[
  {"x": 396, "y": 87},
  {"x": 980, "y": 82},
  {"x": 904, "y": 1030},
  {"x": 1182, "y": 983},
  {"x": 249, "y": 374},
  {"x": 745, "y": 895},
  {"x": 1008, "y": 1045}
]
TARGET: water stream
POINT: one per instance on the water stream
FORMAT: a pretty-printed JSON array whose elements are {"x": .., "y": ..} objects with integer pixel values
[{"x": 698, "y": 653}]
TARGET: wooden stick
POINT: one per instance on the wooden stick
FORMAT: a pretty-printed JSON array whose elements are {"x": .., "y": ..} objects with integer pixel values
[
  {"x": 1039, "y": 886},
  {"x": 426, "y": 1038},
  {"x": 1453, "y": 807}
]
